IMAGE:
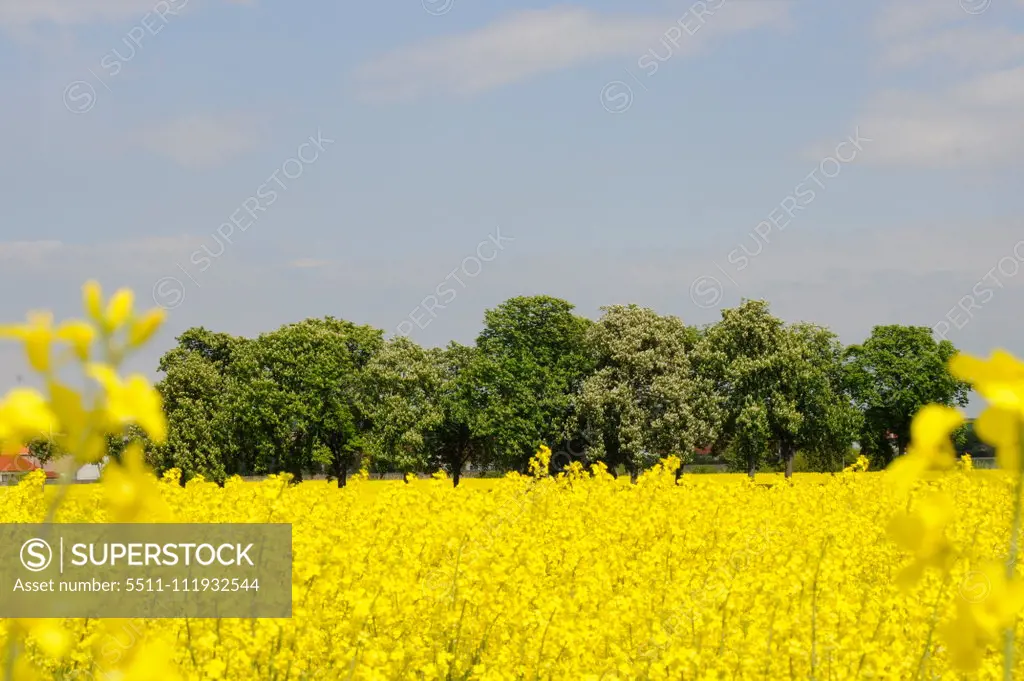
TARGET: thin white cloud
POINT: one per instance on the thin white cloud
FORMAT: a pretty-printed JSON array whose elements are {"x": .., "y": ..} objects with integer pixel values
[
  {"x": 969, "y": 46},
  {"x": 534, "y": 42},
  {"x": 201, "y": 141},
  {"x": 21, "y": 14},
  {"x": 899, "y": 19},
  {"x": 28, "y": 251},
  {"x": 17, "y": 13},
  {"x": 972, "y": 124},
  {"x": 137, "y": 255},
  {"x": 970, "y": 117}
]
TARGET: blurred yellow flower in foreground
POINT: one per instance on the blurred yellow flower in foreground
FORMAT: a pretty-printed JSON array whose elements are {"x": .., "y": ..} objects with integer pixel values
[
  {"x": 930, "y": 445},
  {"x": 922, "y": 532},
  {"x": 24, "y": 414},
  {"x": 131, "y": 401},
  {"x": 79, "y": 421},
  {"x": 982, "y": 615},
  {"x": 999, "y": 379}
]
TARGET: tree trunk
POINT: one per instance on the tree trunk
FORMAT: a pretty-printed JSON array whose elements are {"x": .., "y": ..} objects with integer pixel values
[
  {"x": 789, "y": 453},
  {"x": 343, "y": 476},
  {"x": 751, "y": 467},
  {"x": 456, "y": 463}
]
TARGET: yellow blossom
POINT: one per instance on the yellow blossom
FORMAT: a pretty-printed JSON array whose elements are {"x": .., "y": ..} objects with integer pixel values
[
  {"x": 129, "y": 486},
  {"x": 37, "y": 334},
  {"x": 930, "y": 445},
  {"x": 24, "y": 415},
  {"x": 999, "y": 379},
  {"x": 539, "y": 464},
  {"x": 133, "y": 400},
  {"x": 143, "y": 328},
  {"x": 80, "y": 335},
  {"x": 119, "y": 309},
  {"x": 983, "y": 615},
  {"x": 922, "y": 532},
  {"x": 51, "y": 638}
]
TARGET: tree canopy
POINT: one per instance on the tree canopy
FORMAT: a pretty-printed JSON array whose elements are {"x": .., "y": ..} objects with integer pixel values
[
  {"x": 891, "y": 375},
  {"x": 327, "y": 396}
]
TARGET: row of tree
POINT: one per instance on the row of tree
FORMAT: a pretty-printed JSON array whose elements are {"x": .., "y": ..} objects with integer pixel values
[{"x": 326, "y": 396}]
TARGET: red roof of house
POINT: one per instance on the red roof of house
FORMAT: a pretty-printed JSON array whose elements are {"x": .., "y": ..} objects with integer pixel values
[{"x": 21, "y": 463}]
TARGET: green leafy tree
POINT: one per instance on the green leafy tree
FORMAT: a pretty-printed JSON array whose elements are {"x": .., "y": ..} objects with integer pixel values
[
  {"x": 644, "y": 400},
  {"x": 829, "y": 421},
  {"x": 462, "y": 435},
  {"x": 894, "y": 373},
  {"x": 195, "y": 394},
  {"x": 532, "y": 361},
  {"x": 780, "y": 388},
  {"x": 299, "y": 390},
  {"x": 400, "y": 390}
]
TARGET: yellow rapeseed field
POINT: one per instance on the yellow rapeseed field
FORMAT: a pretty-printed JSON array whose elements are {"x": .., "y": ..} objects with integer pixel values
[
  {"x": 911, "y": 574},
  {"x": 579, "y": 577}
]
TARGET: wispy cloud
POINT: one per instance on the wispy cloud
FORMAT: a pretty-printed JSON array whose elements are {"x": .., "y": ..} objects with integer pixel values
[
  {"x": 968, "y": 46},
  {"x": 898, "y": 19},
  {"x": 33, "y": 252},
  {"x": 533, "y": 42},
  {"x": 141, "y": 254},
  {"x": 201, "y": 141},
  {"x": 974, "y": 123},
  {"x": 970, "y": 116},
  {"x": 20, "y": 14}
]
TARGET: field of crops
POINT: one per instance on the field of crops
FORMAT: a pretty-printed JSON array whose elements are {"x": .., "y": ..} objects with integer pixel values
[{"x": 576, "y": 577}]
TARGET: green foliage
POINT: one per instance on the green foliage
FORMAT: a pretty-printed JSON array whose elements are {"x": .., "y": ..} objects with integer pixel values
[
  {"x": 326, "y": 396},
  {"x": 464, "y": 432},
  {"x": 399, "y": 391},
  {"x": 532, "y": 361},
  {"x": 779, "y": 388},
  {"x": 644, "y": 400},
  {"x": 196, "y": 400},
  {"x": 891, "y": 375},
  {"x": 968, "y": 442}
]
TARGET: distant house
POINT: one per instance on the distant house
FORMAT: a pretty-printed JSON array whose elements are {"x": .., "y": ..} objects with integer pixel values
[
  {"x": 88, "y": 473},
  {"x": 16, "y": 466}
]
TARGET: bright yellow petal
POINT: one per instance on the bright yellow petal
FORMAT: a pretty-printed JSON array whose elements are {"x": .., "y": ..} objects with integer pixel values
[
  {"x": 119, "y": 309},
  {"x": 147, "y": 407},
  {"x": 37, "y": 346},
  {"x": 1000, "y": 379},
  {"x": 1006, "y": 365},
  {"x": 105, "y": 375},
  {"x": 1000, "y": 428},
  {"x": 25, "y": 414},
  {"x": 80, "y": 335},
  {"x": 933, "y": 424},
  {"x": 67, "y": 405},
  {"x": 905, "y": 471},
  {"x": 143, "y": 328},
  {"x": 13, "y": 331},
  {"x": 970, "y": 368},
  {"x": 92, "y": 297}
]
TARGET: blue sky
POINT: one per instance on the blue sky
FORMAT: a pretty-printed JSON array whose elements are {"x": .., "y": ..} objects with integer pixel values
[{"x": 451, "y": 121}]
